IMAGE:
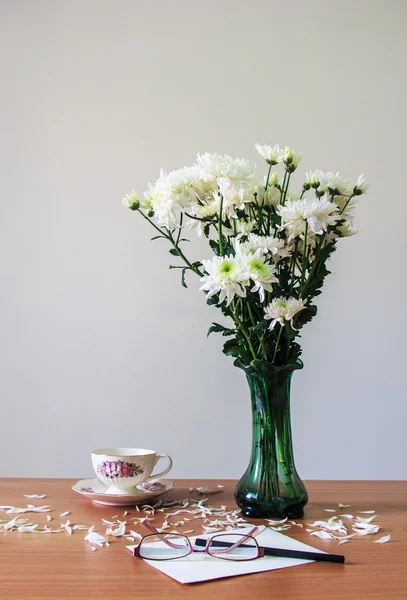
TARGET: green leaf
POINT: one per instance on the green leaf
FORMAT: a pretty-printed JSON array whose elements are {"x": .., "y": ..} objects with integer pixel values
[
  {"x": 215, "y": 246},
  {"x": 216, "y": 328},
  {"x": 206, "y": 230},
  {"x": 183, "y": 277},
  {"x": 261, "y": 326},
  {"x": 232, "y": 348},
  {"x": 174, "y": 252},
  {"x": 156, "y": 237}
]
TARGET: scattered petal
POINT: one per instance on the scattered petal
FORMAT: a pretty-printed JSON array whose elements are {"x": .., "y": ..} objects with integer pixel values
[
  {"x": 118, "y": 532},
  {"x": 324, "y": 535},
  {"x": 344, "y": 505},
  {"x": 329, "y": 510},
  {"x": 49, "y": 517},
  {"x": 207, "y": 490},
  {"x": 366, "y": 512},
  {"x": 189, "y": 531},
  {"x": 382, "y": 540},
  {"x": 108, "y": 522},
  {"x": 343, "y": 542},
  {"x": 27, "y": 528},
  {"x": 220, "y": 486},
  {"x": 35, "y": 496},
  {"x": 134, "y": 534},
  {"x": 95, "y": 538},
  {"x": 272, "y": 522},
  {"x": 93, "y": 548},
  {"x": 65, "y": 514},
  {"x": 346, "y": 516}
]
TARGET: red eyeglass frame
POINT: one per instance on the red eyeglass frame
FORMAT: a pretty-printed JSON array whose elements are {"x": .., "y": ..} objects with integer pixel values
[{"x": 156, "y": 533}]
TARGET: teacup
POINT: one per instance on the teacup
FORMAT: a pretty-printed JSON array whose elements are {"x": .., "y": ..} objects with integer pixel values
[{"x": 123, "y": 469}]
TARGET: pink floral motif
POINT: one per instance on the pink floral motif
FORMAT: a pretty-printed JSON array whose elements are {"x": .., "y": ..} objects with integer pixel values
[
  {"x": 88, "y": 490},
  {"x": 154, "y": 486},
  {"x": 119, "y": 468}
]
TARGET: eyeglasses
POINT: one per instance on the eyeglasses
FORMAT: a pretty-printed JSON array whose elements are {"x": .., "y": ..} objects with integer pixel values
[{"x": 170, "y": 546}]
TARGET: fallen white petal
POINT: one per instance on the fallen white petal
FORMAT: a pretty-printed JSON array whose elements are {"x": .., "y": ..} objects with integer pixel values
[
  {"x": 344, "y": 505},
  {"x": 129, "y": 538},
  {"x": 95, "y": 538},
  {"x": 365, "y": 519},
  {"x": 49, "y": 518},
  {"x": 108, "y": 522},
  {"x": 65, "y": 514},
  {"x": 329, "y": 510},
  {"x": 272, "y": 522},
  {"x": 35, "y": 496},
  {"x": 118, "y": 532},
  {"x": 343, "y": 542},
  {"x": 324, "y": 535},
  {"x": 93, "y": 549},
  {"x": 135, "y": 534},
  {"x": 189, "y": 531},
  {"x": 382, "y": 540},
  {"x": 27, "y": 528},
  {"x": 346, "y": 516},
  {"x": 366, "y": 512},
  {"x": 207, "y": 490}
]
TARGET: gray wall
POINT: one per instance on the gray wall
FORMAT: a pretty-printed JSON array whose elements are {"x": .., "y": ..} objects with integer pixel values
[{"x": 100, "y": 345}]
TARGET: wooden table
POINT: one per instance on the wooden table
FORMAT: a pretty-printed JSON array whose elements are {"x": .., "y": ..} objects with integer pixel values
[{"x": 59, "y": 566}]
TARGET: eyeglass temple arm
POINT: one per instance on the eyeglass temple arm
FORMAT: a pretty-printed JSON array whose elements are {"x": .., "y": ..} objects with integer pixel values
[
  {"x": 160, "y": 535},
  {"x": 239, "y": 542}
]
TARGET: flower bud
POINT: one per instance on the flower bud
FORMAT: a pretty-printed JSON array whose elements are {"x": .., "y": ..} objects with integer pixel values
[
  {"x": 291, "y": 160},
  {"x": 131, "y": 201}
]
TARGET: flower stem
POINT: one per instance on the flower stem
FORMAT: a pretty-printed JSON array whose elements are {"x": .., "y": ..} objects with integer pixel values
[
  {"x": 268, "y": 177},
  {"x": 277, "y": 343},
  {"x": 220, "y": 226},
  {"x": 244, "y": 331},
  {"x": 304, "y": 258}
]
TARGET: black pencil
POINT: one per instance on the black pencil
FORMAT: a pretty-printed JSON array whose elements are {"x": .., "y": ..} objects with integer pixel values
[{"x": 284, "y": 552}]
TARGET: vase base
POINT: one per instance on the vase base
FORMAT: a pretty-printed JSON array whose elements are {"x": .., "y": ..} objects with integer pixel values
[{"x": 253, "y": 511}]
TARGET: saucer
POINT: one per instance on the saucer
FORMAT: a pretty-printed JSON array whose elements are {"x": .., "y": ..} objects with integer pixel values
[{"x": 144, "y": 493}]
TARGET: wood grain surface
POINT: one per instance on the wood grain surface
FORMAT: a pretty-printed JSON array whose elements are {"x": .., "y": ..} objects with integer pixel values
[{"x": 59, "y": 566}]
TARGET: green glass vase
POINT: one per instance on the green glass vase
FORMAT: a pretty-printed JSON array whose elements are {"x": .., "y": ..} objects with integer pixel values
[{"x": 271, "y": 486}]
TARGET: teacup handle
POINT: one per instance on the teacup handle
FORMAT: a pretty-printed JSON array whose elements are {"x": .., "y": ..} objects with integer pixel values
[{"x": 159, "y": 475}]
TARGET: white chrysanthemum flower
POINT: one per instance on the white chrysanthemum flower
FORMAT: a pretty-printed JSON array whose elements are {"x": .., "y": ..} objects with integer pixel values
[
  {"x": 346, "y": 206},
  {"x": 271, "y": 154},
  {"x": 261, "y": 273},
  {"x": 361, "y": 186},
  {"x": 292, "y": 217},
  {"x": 173, "y": 192},
  {"x": 313, "y": 178},
  {"x": 291, "y": 159},
  {"x": 282, "y": 309},
  {"x": 335, "y": 183},
  {"x": 346, "y": 229},
  {"x": 243, "y": 228},
  {"x": 215, "y": 166},
  {"x": 131, "y": 201},
  {"x": 225, "y": 275},
  {"x": 268, "y": 245},
  {"x": 319, "y": 213}
]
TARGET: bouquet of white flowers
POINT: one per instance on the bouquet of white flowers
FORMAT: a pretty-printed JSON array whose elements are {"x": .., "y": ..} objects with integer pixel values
[
  {"x": 270, "y": 245},
  {"x": 270, "y": 248}
]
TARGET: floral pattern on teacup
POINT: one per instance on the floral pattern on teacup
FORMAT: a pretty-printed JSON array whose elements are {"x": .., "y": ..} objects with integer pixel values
[
  {"x": 87, "y": 490},
  {"x": 119, "y": 468},
  {"x": 153, "y": 486}
]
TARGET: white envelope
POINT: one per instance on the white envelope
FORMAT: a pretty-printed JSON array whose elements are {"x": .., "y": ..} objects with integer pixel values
[{"x": 202, "y": 567}]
